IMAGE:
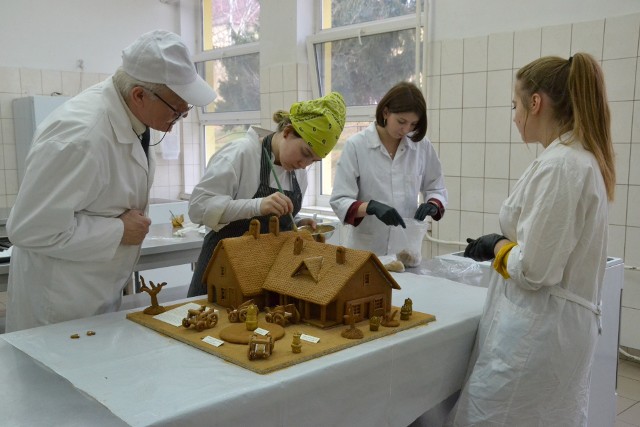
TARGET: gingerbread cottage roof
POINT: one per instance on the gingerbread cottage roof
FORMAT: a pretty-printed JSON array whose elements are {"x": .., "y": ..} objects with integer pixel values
[
  {"x": 251, "y": 258},
  {"x": 314, "y": 274}
]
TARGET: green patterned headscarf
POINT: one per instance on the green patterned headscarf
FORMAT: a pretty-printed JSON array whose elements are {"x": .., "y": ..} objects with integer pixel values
[{"x": 319, "y": 121}]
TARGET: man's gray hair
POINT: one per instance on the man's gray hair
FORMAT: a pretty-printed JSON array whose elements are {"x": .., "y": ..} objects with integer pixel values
[{"x": 124, "y": 83}]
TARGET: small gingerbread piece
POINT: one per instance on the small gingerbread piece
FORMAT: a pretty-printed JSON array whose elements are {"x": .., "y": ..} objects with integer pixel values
[
  {"x": 406, "y": 310},
  {"x": 252, "y": 317},
  {"x": 260, "y": 347},
  {"x": 409, "y": 303},
  {"x": 390, "y": 321},
  {"x": 296, "y": 344},
  {"x": 90, "y": 333},
  {"x": 374, "y": 323},
  {"x": 75, "y": 336},
  {"x": 352, "y": 333},
  {"x": 395, "y": 265},
  {"x": 239, "y": 314},
  {"x": 153, "y": 291},
  {"x": 201, "y": 318}
]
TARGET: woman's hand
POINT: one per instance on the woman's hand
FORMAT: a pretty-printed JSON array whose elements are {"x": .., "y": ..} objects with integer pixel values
[
  {"x": 307, "y": 221},
  {"x": 484, "y": 247},
  {"x": 276, "y": 204}
]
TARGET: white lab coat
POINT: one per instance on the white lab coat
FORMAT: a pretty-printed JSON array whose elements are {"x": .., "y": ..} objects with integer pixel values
[
  {"x": 537, "y": 335},
  {"x": 225, "y": 192},
  {"x": 86, "y": 167},
  {"x": 365, "y": 172}
]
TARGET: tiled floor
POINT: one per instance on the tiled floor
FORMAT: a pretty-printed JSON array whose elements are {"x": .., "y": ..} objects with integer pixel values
[{"x": 628, "y": 406}]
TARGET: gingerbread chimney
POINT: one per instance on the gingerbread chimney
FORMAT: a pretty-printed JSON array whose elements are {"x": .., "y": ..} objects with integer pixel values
[
  {"x": 340, "y": 254},
  {"x": 274, "y": 225},
  {"x": 254, "y": 228},
  {"x": 297, "y": 246}
]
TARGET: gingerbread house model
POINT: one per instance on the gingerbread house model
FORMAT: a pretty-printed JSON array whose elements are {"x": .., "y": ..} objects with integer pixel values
[{"x": 278, "y": 268}]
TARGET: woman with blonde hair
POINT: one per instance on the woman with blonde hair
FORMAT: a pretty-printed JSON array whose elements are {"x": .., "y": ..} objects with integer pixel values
[{"x": 537, "y": 335}]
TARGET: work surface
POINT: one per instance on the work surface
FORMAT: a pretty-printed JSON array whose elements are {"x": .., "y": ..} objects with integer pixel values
[
  {"x": 161, "y": 248},
  {"x": 145, "y": 378}
]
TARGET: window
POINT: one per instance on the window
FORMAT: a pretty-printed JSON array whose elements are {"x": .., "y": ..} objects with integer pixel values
[
  {"x": 366, "y": 279},
  {"x": 229, "y": 62},
  {"x": 328, "y": 171},
  {"x": 356, "y": 310},
  {"x": 229, "y": 22},
  {"x": 349, "y": 12},
  {"x": 236, "y": 81},
  {"x": 363, "y": 49},
  {"x": 217, "y": 136},
  {"x": 222, "y": 271}
]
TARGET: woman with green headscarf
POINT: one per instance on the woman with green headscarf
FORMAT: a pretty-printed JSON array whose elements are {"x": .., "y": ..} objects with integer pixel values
[{"x": 239, "y": 185}]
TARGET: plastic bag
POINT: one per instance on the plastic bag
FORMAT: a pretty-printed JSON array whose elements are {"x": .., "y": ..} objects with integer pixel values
[
  {"x": 463, "y": 270},
  {"x": 406, "y": 243}
]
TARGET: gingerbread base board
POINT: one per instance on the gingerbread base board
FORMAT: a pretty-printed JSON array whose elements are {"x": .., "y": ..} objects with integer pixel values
[{"x": 282, "y": 356}]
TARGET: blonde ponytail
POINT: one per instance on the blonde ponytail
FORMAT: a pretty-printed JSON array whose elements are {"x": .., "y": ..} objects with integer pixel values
[{"x": 576, "y": 87}]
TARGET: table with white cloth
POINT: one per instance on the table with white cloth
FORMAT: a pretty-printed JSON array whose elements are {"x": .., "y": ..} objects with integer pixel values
[
  {"x": 131, "y": 374},
  {"x": 160, "y": 248}
]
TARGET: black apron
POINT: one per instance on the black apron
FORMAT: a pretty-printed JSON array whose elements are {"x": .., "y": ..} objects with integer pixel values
[{"x": 239, "y": 227}]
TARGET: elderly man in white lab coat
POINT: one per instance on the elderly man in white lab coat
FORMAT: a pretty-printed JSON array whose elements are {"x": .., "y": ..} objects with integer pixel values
[{"x": 79, "y": 218}]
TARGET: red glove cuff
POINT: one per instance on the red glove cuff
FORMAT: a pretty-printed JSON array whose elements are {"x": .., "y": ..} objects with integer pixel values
[
  {"x": 438, "y": 204},
  {"x": 350, "y": 217}
]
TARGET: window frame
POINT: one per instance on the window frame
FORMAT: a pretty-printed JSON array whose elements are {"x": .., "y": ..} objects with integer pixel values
[
  {"x": 364, "y": 113},
  {"x": 248, "y": 117},
  {"x": 235, "y": 117}
]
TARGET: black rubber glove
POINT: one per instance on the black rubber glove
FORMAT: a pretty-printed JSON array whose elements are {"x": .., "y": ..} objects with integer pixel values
[
  {"x": 481, "y": 249},
  {"x": 424, "y": 210},
  {"x": 385, "y": 213}
]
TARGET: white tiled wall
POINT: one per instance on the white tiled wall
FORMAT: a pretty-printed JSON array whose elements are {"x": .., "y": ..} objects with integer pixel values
[
  {"x": 469, "y": 97},
  {"x": 282, "y": 85},
  {"x": 15, "y": 83}
]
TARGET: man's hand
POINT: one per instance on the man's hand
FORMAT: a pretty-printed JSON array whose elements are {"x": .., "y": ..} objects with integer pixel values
[{"x": 136, "y": 227}]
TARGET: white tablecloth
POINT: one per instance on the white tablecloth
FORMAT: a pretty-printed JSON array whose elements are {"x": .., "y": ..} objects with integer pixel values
[{"x": 145, "y": 378}]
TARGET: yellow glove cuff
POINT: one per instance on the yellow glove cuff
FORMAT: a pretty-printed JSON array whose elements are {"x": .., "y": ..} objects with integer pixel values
[{"x": 500, "y": 263}]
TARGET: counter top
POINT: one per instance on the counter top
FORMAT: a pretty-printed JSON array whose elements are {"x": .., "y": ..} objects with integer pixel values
[
  {"x": 4, "y": 216},
  {"x": 159, "y": 249}
]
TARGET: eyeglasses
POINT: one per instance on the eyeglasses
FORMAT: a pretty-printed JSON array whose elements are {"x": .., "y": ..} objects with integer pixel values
[{"x": 176, "y": 112}]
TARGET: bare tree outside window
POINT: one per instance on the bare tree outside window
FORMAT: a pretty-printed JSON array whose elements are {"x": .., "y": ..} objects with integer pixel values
[
  {"x": 234, "y": 76},
  {"x": 349, "y": 12},
  {"x": 363, "y": 69},
  {"x": 230, "y": 22}
]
